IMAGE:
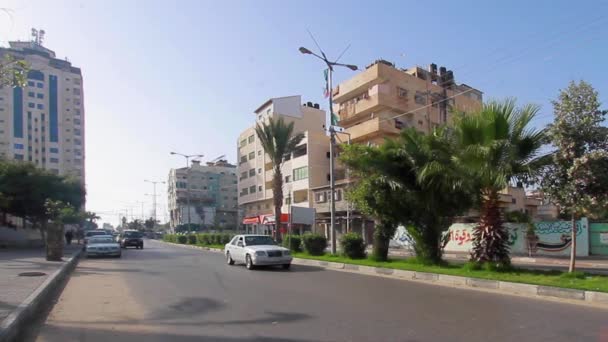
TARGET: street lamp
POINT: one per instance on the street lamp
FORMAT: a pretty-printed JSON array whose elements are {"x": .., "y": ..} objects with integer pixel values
[
  {"x": 154, "y": 196},
  {"x": 188, "y": 156},
  {"x": 332, "y": 136}
]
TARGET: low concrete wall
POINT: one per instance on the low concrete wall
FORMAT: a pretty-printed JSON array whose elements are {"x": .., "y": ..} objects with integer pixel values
[{"x": 19, "y": 237}]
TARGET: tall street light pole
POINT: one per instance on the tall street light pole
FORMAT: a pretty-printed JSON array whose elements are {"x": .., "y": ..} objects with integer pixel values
[
  {"x": 154, "y": 196},
  {"x": 188, "y": 156},
  {"x": 332, "y": 137}
]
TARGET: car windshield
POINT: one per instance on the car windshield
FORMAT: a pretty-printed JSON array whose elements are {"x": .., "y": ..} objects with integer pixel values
[
  {"x": 96, "y": 233},
  {"x": 259, "y": 240},
  {"x": 133, "y": 234},
  {"x": 101, "y": 240}
]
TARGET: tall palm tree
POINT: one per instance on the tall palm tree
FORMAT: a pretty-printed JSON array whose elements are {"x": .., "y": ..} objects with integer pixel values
[
  {"x": 496, "y": 146},
  {"x": 278, "y": 140}
]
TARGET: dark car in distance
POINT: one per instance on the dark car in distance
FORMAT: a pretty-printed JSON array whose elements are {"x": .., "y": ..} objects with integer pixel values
[{"x": 132, "y": 238}]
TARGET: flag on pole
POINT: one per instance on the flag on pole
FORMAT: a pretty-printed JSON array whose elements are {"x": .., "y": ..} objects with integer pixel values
[{"x": 326, "y": 76}]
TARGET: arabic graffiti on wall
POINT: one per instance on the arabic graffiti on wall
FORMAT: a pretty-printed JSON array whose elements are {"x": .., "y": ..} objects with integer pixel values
[{"x": 553, "y": 238}]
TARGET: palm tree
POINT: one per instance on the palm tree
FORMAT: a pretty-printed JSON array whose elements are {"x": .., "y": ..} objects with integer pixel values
[
  {"x": 278, "y": 140},
  {"x": 496, "y": 146}
]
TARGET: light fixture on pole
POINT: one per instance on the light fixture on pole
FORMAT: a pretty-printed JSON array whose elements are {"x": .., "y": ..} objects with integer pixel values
[
  {"x": 188, "y": 156},
  {"x": 332, "y": 136},
  {"x": 154, "y": 196}
]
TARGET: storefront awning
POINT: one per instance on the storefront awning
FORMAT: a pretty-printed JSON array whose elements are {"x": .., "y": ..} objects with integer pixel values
[{"x": 251, "y": 220}]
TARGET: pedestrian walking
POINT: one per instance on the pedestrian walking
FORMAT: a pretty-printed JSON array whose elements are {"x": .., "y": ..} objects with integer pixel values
[{"x": 68, "y": 237}]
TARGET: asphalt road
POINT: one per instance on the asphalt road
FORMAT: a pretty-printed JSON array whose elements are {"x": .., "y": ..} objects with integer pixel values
[{"x": 167, "y": 293}]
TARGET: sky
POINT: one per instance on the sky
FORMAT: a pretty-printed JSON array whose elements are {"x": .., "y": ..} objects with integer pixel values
[{"x": 186, "y": 76}]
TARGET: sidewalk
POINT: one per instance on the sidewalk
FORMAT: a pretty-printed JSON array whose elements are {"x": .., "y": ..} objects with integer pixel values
[{"x": 14, "y": 289}]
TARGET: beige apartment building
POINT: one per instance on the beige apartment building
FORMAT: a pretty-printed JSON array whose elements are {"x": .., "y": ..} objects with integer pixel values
[
  {"x": 209, "y": 189},
  {"x": 307, "y": 167},
  {"x": 380, "y": 102},
  {"x": 43, "y": 122}
]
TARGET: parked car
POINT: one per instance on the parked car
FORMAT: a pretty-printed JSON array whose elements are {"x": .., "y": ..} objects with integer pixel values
[
  {"x": 96, "y": 232},
  {"x": 103, "y": 245},
  {"x": 132, "y": 238},
  {"x": 256, "y": 250}
]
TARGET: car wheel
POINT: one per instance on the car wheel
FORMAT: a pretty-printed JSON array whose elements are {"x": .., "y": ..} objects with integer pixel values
[
  {"x": 119, "y": 255},
  {"x": 286, "y": 266},
  {"x": 248, "y": 262},
  {"x": 141, "y": 247},
  {"x": 229, "y": 260}
]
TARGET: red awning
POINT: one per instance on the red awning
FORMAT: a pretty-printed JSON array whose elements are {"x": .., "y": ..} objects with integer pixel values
[
  {"x": 251, "y": 220},
  {"x": 269, "y": 219}
]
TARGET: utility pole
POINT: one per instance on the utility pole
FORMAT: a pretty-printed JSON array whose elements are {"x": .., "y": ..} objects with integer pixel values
[
  {"x": 332, "y": 137},
  {"x": 188, "y": 156},
  {"x": 154, "y": 196}
]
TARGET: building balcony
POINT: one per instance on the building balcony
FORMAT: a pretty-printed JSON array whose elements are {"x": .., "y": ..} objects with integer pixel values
[
  {"x": 360, "y": 82},
  {"x": 353, "y": 110},
  {"x": 375, "y": 127}
]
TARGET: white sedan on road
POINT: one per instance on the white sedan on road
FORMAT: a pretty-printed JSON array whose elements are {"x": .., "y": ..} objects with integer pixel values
[
  {"x": 103, "y": 245},
  {"x": 256, "y": 250}
]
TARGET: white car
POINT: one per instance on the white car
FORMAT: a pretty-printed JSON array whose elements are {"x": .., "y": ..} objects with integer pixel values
[
  {"x": 256, "y": 250},
  {"x": 103, "y": 245}
]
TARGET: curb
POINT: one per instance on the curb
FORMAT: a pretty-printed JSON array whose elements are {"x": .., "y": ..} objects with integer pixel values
[
  {"x": 599, "y": 299},
  {"x": 18, "y": 318}
]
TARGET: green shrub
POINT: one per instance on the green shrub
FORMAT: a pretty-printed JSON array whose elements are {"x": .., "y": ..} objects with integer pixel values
[
  {"x": 573, "y": 275},
  {"x": 293, "y": 242},
  {"x": 183, "y": 239},
  {"x": 192, "y": 239},
  {"x": 472, "y": 266},
  {"x": 314, "y": 244},
  {"x": 214, "y": 238},
  {"x": 203, "y": 239},
  {"x": 226, "y": 238},
  {"x": 353, "y": 246}
]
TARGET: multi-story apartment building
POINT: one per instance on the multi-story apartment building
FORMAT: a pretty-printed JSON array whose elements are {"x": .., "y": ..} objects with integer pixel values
[
  {"x": 43, "y": 122},
  {"x": 211, "y": 192},
  {"x": 307, "y": 167},
  {"x": 380, "y": 102}
]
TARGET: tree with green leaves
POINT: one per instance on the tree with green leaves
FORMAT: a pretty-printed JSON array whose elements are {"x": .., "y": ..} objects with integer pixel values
[
  {"x": 136, "y": 224},
  {"x": 412, "y": 181},
  {"x": 150, "y": 223},
  {"x": 58, "y": 214},
  {"x": 577, "y": 180},
  {"x": 13, "y": 72},
  {"x": 496, "y": 145},
  {"x": 278, "y": 140}
]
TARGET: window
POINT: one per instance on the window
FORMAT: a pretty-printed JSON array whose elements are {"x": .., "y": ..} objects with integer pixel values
[
  {"x": 288, "y": 200},
  {"x": 18, "y": 156},
  {"x": 300, "y": 173},
  {"x": 42, "y": 117},
  {"x": 299, "y": 151},
  {"x": 251, "y": 155},
  {"x": 31, "y": 94},
  {"x": 40, "y": 106},
  {"x": 77, "y": 152},
  {"x": 287, "y": 179},
  {"x": 76, "y": 91},
  {"x": 513, "y": 200},
  {"x": 243, "y": 160},
  {"x": 39, "y": 96},
  {"x": 39, "y": 85},
  {"x": 31, "y": 105},
  {"x": 243, "y": 142},
  {"x": 77, "y": 102},
  {"x": 250, "y": 139},
  {"x": 243, "y": 175},
  {"x": 244, "y": 192},
  {"x": 54, "y": 160},
  {"x": 401, "y": 92},
  {"x": 420, "y": 98},
  {"x": 260, "y": 171},
  {"x": 77, "y": 132},
  {"x": 320, "y": 197},
  {"x": 77, "y": 111},
  {"x": 18, "y": 146},
  {"x": 76, "y": 141},
  {"x": 30, "y": 83},
  {"x": 338, "y": 195},
  {"x": 260, "y": 188},
  {"x": 252, "y": 189},
  {"x": 251, "y": 172},
  {"x": 259, "y": 152}
]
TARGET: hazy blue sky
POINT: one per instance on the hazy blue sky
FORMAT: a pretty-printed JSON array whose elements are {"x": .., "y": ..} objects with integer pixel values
[{"x": 187, "y": 75}]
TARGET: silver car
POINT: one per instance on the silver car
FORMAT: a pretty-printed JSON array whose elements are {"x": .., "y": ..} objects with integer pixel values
[
  {"x": 103, "y": 245},
  {"x": 256, "y": 250}
]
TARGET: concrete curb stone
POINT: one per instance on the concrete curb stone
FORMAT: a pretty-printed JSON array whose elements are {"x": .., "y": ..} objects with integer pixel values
[
  {"x": 451, "y": 280},
  {"x": 16, "y": 320},
  {"x": 518, "y": 288},
  {"x": 561, "y": 293},
  {"x": 596, "y": 297},
  {"x": 482, "y": 283},
  {"x": 426, "y": 276}
]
